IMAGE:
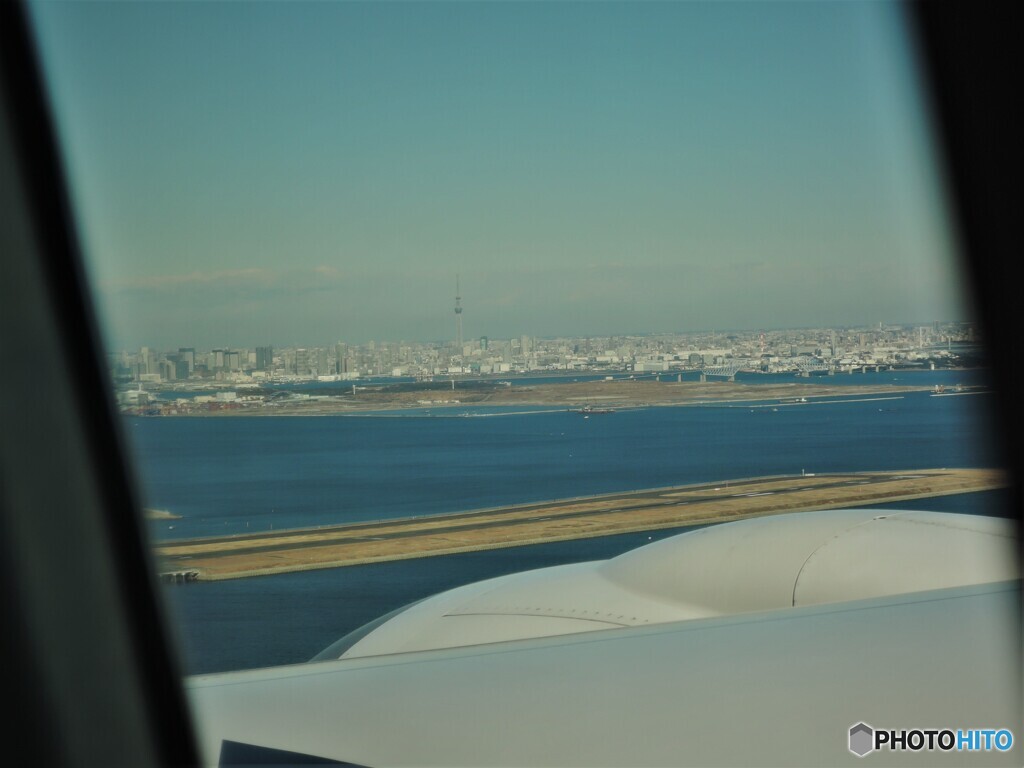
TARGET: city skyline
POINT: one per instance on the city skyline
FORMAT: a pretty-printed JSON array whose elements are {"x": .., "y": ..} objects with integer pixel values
[
  {"x": 723, "y": 332},
  {"x": 767, "y": 351},
  {"x": 585, "y": 169}
]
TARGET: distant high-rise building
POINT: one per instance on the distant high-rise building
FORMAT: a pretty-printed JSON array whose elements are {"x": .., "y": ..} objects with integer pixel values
[
  {"x": 166, "y": 370},
  {"x": 264, "y": 358},
  {"x": 483, "y": 343},
  {"x": 340, "y": 358},
  {"x": 301, "y": 362},
  {"x": 147, "y": 360},
  {"x": 188, "y": 354}
]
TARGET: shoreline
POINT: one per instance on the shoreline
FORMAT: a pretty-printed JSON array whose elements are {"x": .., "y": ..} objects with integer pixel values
[{"x": 616, "y": 395}]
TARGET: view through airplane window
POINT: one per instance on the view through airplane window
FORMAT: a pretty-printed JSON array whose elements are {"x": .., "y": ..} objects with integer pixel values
[{"x": 401, "y": 297}]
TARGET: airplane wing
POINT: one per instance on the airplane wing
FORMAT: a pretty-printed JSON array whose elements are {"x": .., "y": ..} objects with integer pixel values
[{"x": 760, "y": 642}]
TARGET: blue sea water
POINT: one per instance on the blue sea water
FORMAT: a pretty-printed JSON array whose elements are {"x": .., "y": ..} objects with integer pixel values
[
  {"x": 229, "y": 475},
  {"x": 232, "y": 475}
]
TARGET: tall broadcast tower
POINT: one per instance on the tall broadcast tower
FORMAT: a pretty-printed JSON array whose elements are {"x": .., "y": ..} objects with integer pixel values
[{"x": 458, "y": 316}]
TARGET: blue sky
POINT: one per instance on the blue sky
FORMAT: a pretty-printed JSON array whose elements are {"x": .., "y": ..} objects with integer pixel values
[{"x": 302, "y": 173}]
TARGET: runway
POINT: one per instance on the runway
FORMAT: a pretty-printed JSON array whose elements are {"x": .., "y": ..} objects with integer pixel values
[{"x": 229, "y": 557}]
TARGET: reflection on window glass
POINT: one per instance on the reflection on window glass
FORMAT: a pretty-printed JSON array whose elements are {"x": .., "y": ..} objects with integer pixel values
[{"x": 364, "y": 265}]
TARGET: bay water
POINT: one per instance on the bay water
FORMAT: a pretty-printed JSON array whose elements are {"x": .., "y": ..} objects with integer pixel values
[{"x": 239, "y": 474}]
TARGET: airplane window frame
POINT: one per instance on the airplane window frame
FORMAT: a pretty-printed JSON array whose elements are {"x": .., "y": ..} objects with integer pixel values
[{"x": 972, "y": 128}]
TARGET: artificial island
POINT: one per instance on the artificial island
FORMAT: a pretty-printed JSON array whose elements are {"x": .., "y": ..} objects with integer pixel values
[{"x": 271, "y": 552}]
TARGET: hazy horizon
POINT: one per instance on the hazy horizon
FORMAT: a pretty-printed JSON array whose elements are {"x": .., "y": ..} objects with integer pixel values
[
  {"x": 717, "y": 332},
  {"x": 281, "y": 173}
]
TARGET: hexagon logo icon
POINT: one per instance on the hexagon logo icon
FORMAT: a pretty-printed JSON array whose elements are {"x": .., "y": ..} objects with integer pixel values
[{"x": 862, "y": 739}]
